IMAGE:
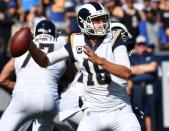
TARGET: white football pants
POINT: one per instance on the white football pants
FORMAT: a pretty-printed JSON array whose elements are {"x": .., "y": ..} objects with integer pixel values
[
  {"x": 70, "y": 113},
  {"x": 26, "y": 106},
  {"x": 119, "y": 120}
]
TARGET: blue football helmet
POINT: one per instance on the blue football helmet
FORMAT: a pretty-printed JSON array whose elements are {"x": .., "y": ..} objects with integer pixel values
[
  {"x": 87, "y": 13},
  {"x": 45, "y": 29}
]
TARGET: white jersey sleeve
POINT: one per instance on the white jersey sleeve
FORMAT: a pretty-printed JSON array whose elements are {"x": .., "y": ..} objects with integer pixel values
[
  {"x": 57, "y": 56},
  {"x": 60, "y": 54},
  {"x": 117, "y": 25},
  {"x": 121, "y": 56}
]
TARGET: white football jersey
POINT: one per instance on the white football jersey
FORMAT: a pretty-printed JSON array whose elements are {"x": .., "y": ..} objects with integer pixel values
[
  {"x": 42, "y": 80},
  {"x": 103, "y": 91}
]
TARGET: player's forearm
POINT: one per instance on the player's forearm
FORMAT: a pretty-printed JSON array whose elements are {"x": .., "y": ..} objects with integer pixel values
[
  {"x": 115, "y": 69},
  {"x": 6, "y": 73},
  {"x": 118, "y": 69},
  {"x": 39, "y": 56},
  {"x": 8, "y": 83}
]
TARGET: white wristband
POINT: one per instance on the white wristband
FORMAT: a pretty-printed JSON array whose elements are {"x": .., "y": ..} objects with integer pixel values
[{"x": 57, "y": 56}]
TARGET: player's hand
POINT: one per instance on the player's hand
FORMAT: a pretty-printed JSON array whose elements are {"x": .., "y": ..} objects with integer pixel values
[{"x": 92, "y": 56}]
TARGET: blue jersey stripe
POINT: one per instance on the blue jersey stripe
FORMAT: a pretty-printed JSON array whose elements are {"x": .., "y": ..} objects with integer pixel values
[
  {"x": 69, "y": 50},
  {"x": 118, "y": 42}
]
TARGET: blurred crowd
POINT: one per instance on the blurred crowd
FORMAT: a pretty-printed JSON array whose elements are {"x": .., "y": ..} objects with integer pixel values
[
  {"x": 149, "y": 18},
  {"x": 146, "y": 20}
]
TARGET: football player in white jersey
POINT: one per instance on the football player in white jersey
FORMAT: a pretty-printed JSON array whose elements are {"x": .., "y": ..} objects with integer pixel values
[
  {"x": 70, "y": 111},
  {"x": 35, "y": 94},
  {"x": 103, "y": 60}
]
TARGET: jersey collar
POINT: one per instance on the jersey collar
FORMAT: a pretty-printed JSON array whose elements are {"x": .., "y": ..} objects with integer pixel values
[{"x": 99, "y": 42}]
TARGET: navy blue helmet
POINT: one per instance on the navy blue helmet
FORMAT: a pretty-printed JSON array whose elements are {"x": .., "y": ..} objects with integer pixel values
[
  {"x": 87, "y": 13},
  {"x": 45, "y": 28}
]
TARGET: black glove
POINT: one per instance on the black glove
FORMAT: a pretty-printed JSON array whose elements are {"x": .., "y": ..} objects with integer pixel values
[{"x": 138, "y": 112}]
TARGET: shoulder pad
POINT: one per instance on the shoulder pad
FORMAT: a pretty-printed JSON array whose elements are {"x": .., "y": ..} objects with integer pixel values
[
  {"x": 76, "y": 35},
  {"x": 62, "y": 40},
  {"x": 65, "y": 38},
  {"x": 118, "y": 25},
  {"x": 114, "y": 26}
]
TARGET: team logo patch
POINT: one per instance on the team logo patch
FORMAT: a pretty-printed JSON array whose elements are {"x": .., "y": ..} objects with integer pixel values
[{"x": 79, "y": 49}]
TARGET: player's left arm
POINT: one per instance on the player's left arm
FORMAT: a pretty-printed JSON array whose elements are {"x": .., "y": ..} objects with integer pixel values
[
  {"x": 121, "y": 66},
  {"x": 6, "y": 72}
]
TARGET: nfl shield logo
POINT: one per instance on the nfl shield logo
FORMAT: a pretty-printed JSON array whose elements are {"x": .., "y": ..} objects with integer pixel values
[{"x": 79, "y": 49}]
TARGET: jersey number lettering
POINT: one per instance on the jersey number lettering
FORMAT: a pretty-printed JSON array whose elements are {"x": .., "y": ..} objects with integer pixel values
[
  {"x": 47, "y": 48},
  {"x": 95, "y": 74}
]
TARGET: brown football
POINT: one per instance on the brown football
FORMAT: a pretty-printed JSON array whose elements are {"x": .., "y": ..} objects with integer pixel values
[{"x": 20, "y": 42}]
